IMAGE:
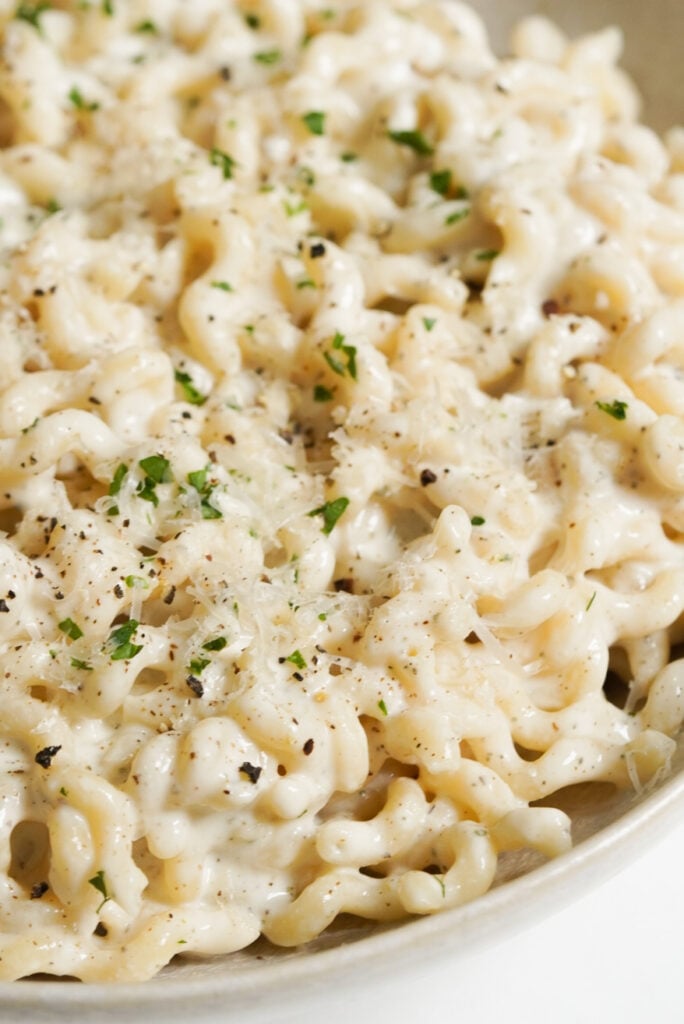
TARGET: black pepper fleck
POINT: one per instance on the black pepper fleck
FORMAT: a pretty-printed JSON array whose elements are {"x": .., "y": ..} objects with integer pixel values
[
  {"x": 195, "y": 685},
  {"x": 252, "y": 771},
  {"x": 44, "y": 756}
]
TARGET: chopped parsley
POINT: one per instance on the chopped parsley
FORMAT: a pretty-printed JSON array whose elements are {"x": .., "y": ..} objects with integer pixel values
[
  {"x": 306, "y": 175},
  {"x": 413, "y": 139},
  {"x": 315, "y": 121},
  {"x": 617, "y": 409},
  {"x": 52, "y": 206},
  {"x": 440, "y": 182},
  {"x": 99, "y": 882},
  {"x": 348, "y": 351},
  {"x": 297, "y": 659},
  {"x": 428, "y": 323},
  {"x": 292, "y": 209},
  {"x": 348, "y": 157},
  {"x": 157, "y": 470},
  {"x": 267, "y": 56},
  {"x": 217, "y": 644},
  {"x": 77, "y": 100},
  {"x": 383, "y": 707},
  {"x": 83, "y": 665},
  {"x": 198, "y": 665},
  {"x": 590, "y": 601},
  {"x": 31, "y": 13},
  {"x": 191, "y": 393},
  {"x": 321, "y": 393},
  {"x": 457, "y": 215},
  {"x": 477, "y": 520},
  {"x": 306, "y": 282},
  {"x": 218, "y": 158},
  {"x": 146, "y": 26},
  {"x": 253, "y": 20},
  {"x": 118, "y": 479},
  {"x": 486, "y": 255},
  {"x": 70, "y": 629},
  {"x": 108, "y": 8},
  {"x": 136, "y": 582},
  {"x": 198, "y": 480},
  {"x": 331, "y": 512},
  {"x": 223, "y": 286},
  {"x": 123, "y": 649}
]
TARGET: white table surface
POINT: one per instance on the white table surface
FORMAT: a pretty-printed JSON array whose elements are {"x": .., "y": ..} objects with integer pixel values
[{"x": 616, "y": 955}]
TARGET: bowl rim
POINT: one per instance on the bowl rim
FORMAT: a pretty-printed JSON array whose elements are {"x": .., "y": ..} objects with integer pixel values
[{"x": 445, "y": 936}]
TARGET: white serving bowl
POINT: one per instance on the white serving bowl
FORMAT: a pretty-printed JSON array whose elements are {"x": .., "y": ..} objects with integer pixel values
[{"x": 610, "y": 832}]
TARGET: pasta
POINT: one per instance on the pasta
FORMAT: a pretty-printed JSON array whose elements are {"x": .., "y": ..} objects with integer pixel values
[{"x": 341, "y": 464}]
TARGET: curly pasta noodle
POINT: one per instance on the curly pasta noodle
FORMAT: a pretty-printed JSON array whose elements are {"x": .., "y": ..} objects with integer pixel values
[{"x": 341, "y": 462}]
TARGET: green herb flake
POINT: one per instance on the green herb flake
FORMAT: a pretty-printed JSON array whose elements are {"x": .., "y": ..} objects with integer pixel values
[
  {"x": 192, "y": 395},
  {"x": 457, "y": 216},
  {"x": 383, "y": 707},
  {"x": 349, "y": 351},
  {"x": 83, "y": 665},
  {"x": 440, "y": 182},
  {"x": 292, "y": 209},
  {"x": 267, "y": 57},
  {"x": 296, "y": 658},
  {"x": 121, "y": 641},
  {"x": 108, "y": 8},
  {"x": 253, "y": 21},
  {"x": 198, "y": 665},
  {"x": 413, "y": 139},
  {"x": 198, "y": 480},
  {"x": 157, "y": 468},
  {"x": 617, "y": 409},
  {"x": 306, "y": 175},
  {"x": 348, "y": 157},
  {"x": 70, "y": 629},
  {"x": 322, "y": 617},
  {"x": 25, "y": 430},
  {"x": 146, "y": 26},
  {"x": 52, "y": 206},
  {"x": 477, "y": 520},
  {"x": 117, "y": 479},
  {"x": 321, "y": 393},
  {"x": 99, "y": 882},
  {"x": 487, "y": 255},
  {"x": 315, "y": 121},
  {"x": 306, "y": 282},
  {"x": 77, "y": 100},
  {"x": 217, "y": 158},
  {"x": 136, "y": 582},
  {"x": 63, "y": 791},
  {"x": 223, "y": 286},
  {"x": 590, "y": 601},
  {"x": 331, "y": 512},
  {"x": 31, "y": 13},
  {"x": 217, "y": 644},
  {"x": 428, "y": 323}
]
